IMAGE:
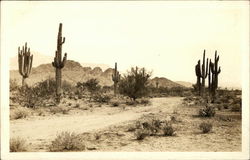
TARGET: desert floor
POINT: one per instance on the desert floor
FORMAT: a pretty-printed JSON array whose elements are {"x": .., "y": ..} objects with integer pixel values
[{"x": 106, "y": 128}]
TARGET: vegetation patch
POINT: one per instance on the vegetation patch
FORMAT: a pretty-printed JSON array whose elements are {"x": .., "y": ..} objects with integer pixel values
[
  {"x": 207, "y": 111},
  {"x": 66, "y": 141},
  {"x": 19, "y": 113},
  {"x": 18, "y": 145},
  {"x": 152, "y": 127},
  {"x": 205, "y": 127}
]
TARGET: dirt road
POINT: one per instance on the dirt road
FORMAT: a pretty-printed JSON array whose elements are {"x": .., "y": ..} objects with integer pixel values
[{"x": 42, "y": 130}]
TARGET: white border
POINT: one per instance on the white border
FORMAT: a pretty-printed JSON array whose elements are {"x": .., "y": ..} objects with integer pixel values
[{"x": 5, "y": 155}]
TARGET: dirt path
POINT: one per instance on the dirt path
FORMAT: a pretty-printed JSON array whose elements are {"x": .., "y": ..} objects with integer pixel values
[{"x": 38, "y": 131}]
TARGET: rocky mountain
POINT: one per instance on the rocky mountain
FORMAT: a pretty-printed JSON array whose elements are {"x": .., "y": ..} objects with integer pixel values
[
  {"x": 185, "y": 84},
  {"x": 163, "y": 82},
  {"x": 73, "y": 72}
]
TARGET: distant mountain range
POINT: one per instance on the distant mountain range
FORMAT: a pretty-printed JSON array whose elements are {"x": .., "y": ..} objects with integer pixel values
[{"x": 74, "y": 72}]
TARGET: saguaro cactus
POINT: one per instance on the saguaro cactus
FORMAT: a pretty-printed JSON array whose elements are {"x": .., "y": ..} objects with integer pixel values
[
  {"x": 59, "y": 63},
  {"x": 215, "y": 72},
  {"x": 202, "y": 73},
  {"x": 115, "y": 78},
  {"x": 209, "y": 77},
  {"x": 25, "y": 60},
  {"x": 198, "y": 75}
]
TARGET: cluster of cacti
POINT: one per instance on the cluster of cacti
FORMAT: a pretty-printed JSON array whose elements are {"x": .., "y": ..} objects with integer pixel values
[
  {"x": 115, "y": 78},
  {"x": 24, "y": 62},
  {"x": 211, "y": 71},
  {"x": 201, "y": 73},
  {"x": 59, "y": 62}
]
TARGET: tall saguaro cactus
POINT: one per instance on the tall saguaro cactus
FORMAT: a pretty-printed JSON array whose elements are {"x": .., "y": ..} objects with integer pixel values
[
  {"x": 115, "y": 78},
  {"x": 59, "y": 62},
  {"x": 202, "y": 73},
  {"x": 215, "y": 72},
  {"x": 25, "y": 60}
]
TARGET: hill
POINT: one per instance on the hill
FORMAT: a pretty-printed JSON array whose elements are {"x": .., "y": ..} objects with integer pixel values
[
  {"x": 73, "y": 72},
  {"x": 163, "y": 82},
  {"x": 185, "y": 84}
]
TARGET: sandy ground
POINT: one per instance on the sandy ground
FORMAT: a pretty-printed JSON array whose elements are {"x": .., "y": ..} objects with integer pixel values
[
  {"x": 111, "y": 123},
  {"x": 40, "y": 130}
]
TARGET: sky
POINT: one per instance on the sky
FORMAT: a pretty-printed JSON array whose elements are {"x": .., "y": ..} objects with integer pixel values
[{"x": 167, "y": 38}]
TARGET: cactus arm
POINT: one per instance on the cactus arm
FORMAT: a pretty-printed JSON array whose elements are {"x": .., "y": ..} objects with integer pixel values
[
  {"x": 219, "y": 70},
  {"x": 30, "y": 64},
  {"x": 63, "y": 40},
  {"x": 64, "y": 60}
]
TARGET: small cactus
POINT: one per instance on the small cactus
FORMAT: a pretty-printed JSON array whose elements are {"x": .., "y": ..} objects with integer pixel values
[
  {"x": 59, "y": 63},
  {"x": 25, "y": 60},
  {"x": 115, "y": 78}
]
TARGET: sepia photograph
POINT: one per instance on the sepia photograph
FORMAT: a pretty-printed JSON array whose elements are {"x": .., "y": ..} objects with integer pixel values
[{"x": 125, "y": 80}]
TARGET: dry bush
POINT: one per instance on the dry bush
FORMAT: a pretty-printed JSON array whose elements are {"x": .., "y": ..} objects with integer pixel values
[
  {"x": 144, "y": 101},
  {"x": 19, "y": 113},
  {"x": 140, "y": 134},
  {"x": 131, "y": 103},
  {"x": 77, "y": 105},
  {"x": 59, "y": 109},
  {"x": 18, "y": 145},
  {"x": 101, "y": 98},
  {"x": 236, "y": 108},
  {"x": 152, "y": 127},
  {"x": 66, "y": 141},
  {"x": 168, "y": 129},
  {"x": 115, "y": 103},
  {"x": 207, "y": 111},
  {"x": 13, "y": 85},
  {"x": 206, "y": 127}
]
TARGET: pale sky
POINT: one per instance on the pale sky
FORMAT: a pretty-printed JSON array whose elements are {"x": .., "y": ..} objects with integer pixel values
[{"x": 166, "y": 37}]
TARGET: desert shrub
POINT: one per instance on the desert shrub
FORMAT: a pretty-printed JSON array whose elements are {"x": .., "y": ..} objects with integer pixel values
[
  {"x": 101, "y": 98},
  {"x": 168, "y": 129},
  {"x": 19, "y": 113},
  {"x": 131, "y": 103},
  {"x": 173, "y": 118},
  {"x": 236, "y": 108},
  {"x": 135, "y": 83},
  {"x": 225, "y": 106},
  {"x": 152, "y": 127},
  {"x": 169, "y": 91},
  {"x": 92, "y": 85},
  {"x": 59, "y": 109},
  {"x": 140, "y": 134},
  {"x": 207, "y": 111},
  {"x": 37, "y": 95},
  {"x": 77, "y": 105},
  {"x": 144, "y": 101},
  {"x": 67, "y": 87},
  {"x": 205, "y": 127},
  {"x": 67, "y": 141},
  {"x": 115, "y": 103},
  {"x": 18, "y": 145},
  {"x": 13, "y": 85},
  {"x": 106, "y": 89}
]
